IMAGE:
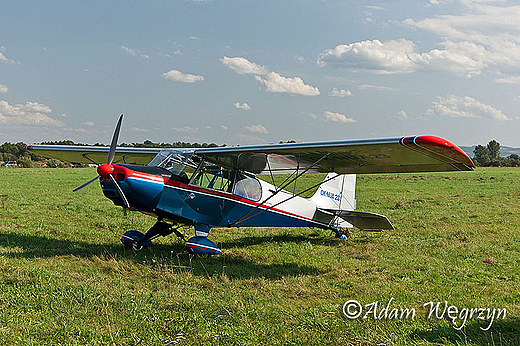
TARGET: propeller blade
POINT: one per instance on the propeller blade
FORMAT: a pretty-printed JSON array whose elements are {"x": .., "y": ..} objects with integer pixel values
[
  {"x": 121, "y": 193},
  {"x": 113, "y": 145},
  {"x": 86, "y": 184}
]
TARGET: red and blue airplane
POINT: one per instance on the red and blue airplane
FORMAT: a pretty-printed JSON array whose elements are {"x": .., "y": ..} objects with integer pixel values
[{"x": 217, "y": 187}]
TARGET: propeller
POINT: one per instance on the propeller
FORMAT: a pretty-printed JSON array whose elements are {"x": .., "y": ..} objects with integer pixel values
[{"x": 106, "y": 171}]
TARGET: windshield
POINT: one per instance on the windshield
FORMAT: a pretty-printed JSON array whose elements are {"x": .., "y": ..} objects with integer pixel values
[{"x": 179, "y": 163}]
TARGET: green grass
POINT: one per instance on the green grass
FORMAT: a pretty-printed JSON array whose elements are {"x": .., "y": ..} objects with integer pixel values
[{"x": 65, "y": 278}]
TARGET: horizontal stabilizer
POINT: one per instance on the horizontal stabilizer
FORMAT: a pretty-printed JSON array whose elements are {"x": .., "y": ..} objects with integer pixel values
[{"x": 363, "y": 220}]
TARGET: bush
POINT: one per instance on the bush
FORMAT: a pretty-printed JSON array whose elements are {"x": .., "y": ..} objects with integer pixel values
[
  {"x": 54, "y": 163},
  {"x": 25, "y": 162}
]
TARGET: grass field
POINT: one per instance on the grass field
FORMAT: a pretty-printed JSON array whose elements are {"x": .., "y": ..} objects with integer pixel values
[{"x": 65, "y": 278}]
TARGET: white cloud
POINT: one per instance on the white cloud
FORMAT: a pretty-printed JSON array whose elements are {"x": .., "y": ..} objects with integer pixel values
[
  {"x": 3, "y": 88},
  {"x": 178, "y": 76},
  {"x": 374, "y": 7},
  {"x": 394, "y": 56},
  {"x": 364, "y": 87},
  {"x": 137, "y": 129},
  {"x": 244, "y": 66},
  {"x": 401, "y": 115},
  {"x": 186, "y": 129},
  {"x": 89, "y": 123},
  {"x": 464, "y": 107},
  {"x": 495, "y": 29},
  {"x": 340, "y": 93},
  {"x": 37, "y": 107},
  {"x": 508, "y": 80},
  {"x": 256, "y": 129},
  {"x": 274, "y": 82},
  {"x": 243, "y": 106},
  {"x": 278, "y": 84},
  {"x": 5, "y": 59},
  {"x": 250, "y": 138},
  {"x": 169, "y": 56},
  {"x": 299, "y": 58},
  {"x": 30, "y": 114},
  {"x": 134, "y": 52},
  {"x": 400, "y": 56},
  {"x": 333, "y": 116}
]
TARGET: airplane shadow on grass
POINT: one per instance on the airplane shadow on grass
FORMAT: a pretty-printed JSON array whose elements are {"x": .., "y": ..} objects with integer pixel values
[
  {"x": 502, "y": 333},
  {"x": 234, "y": 266}
]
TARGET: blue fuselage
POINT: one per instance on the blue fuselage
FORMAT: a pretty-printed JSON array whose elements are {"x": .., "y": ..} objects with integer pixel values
[{"x": 155, "y": 191}]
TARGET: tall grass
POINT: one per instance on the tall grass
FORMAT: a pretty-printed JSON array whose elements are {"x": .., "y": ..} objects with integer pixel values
[{"x": 65, "y": 278}]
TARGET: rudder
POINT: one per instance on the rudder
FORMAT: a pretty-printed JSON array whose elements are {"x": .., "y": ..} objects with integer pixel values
[{"x": 337, "y": 193}]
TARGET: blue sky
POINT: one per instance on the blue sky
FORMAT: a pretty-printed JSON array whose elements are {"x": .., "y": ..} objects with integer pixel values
[{"x": 248, "y": 72}]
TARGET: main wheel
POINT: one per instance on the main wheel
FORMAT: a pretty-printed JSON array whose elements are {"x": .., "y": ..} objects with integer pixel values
[{"x": 131, "y": 240}]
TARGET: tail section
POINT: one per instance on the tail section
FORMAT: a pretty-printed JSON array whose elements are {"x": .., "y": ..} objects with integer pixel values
[
  {"x": 338, "y": 193},
  {"x": 337, "y": 197}
]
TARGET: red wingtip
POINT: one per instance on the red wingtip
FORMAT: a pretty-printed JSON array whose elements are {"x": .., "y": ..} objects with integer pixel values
[{"x": 445, "y": 148}]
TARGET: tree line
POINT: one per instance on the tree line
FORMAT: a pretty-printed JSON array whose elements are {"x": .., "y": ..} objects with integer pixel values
[
  {"x": 25, "y": 158},
  {"x": 489, "y": 155}
]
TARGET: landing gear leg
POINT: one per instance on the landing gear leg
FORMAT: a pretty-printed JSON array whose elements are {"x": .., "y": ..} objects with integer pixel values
[
  {"x": 200, "y": 245},
  {"x": 341, "y": 233},
  {"x": 137, "y": 240}
]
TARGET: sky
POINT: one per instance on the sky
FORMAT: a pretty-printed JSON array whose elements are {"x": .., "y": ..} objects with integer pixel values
[{"x": 253, "y": 72}]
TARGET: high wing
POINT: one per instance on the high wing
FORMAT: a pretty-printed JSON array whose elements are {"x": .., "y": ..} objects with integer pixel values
[
  {"x": 391, "y": 155},
  {"x": 88, "y": 154}
]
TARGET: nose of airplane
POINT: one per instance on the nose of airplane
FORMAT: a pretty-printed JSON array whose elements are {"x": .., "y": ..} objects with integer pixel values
[{"x": 105, "y": 170}]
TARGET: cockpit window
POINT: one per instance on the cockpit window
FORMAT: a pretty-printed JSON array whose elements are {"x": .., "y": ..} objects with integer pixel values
[
  {"x": 213, "y": 177},
  {"x": 248, "y": 187},
  {"x": 180, "y": 164}
]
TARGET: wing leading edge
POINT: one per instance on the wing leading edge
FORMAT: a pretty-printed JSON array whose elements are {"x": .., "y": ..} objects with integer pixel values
[
  {"x": 392, "y": 155},
  {"x": 87, "y": 154}
]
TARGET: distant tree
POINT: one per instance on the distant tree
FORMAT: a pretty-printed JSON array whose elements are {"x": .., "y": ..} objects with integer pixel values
[
  {"x": 494, "y": 152},
  {"x": 513, "y": 160},
  {"x": 16, "y": 151},
  {"x": 482, "y": 156},
  {"x": 64, "y": 142}
]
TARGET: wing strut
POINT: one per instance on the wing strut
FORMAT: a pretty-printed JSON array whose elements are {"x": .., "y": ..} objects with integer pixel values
[{"x": 245, "y": 216}]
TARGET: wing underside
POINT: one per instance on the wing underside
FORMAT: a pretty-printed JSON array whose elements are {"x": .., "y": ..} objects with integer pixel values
[{"x": 393, "y": 155}]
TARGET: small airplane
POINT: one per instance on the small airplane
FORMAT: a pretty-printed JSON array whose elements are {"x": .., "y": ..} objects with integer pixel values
[{"x": 217, "y": 187}]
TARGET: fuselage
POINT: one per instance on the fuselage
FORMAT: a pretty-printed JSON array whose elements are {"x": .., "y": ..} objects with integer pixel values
[{"x": 248, "y": 202}]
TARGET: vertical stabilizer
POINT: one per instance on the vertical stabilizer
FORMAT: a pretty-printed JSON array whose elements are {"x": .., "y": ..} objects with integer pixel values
[{"x": 338, "y": 193}]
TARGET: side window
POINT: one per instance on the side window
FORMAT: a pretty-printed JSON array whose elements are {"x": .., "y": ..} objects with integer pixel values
[
  {"x": 212, "y": 177},
  {"x": 248, "y": 187}
]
